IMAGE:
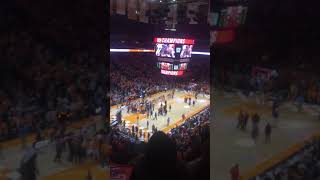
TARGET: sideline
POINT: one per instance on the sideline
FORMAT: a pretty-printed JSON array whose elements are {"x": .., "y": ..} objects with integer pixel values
[
  {"x": 80, "y": 172},
  {"x": 181, "y": 121},
  {"x": 276, "y": 159}
]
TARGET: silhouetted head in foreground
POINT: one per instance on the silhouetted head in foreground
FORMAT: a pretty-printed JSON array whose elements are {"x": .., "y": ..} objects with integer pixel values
[
  {"x": 160, "y": 160},
  {"x": 161, "y": 151}
]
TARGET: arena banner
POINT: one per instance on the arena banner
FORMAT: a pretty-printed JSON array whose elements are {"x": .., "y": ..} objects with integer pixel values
[
  {"x": 132, "y": 9},
  {"x": 232, "y": 16},
  {"x": 192, "y": 10},
  {"x": 222, "y": 36},
  {"x": 120, "y": 172},
  {"x": 172, "y": 14},
  {"x": 121, "y": 7},
  {"x": 213, "y": 19},
  {"x": 143, "y": 6}
]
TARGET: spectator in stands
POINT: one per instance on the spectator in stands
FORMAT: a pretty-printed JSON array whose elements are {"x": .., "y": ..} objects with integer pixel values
[
  {"x": 268, "y": 131},
  {"x": 160, "y": 155},
  {"x": 28, "y": 166}
]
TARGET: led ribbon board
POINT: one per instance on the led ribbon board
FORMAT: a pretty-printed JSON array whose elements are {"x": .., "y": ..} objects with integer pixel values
[
  {"x": 152, "y": 51},
  {"x": 173, "y": 41},
  {"x": 172, "y": 73}
]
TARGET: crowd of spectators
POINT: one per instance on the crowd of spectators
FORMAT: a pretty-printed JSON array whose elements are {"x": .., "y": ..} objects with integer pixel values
[
  {"x": 305, "y": 164},
  {"x": 290, "y": 83},
  {"x": 87, "y": 143},
  {"x": 133, "y": 76},
  {"x": 184, "y": 151},
  {"x": 38, "y": 82}
]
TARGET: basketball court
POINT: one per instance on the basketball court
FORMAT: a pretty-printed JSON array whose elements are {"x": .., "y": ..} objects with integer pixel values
[
  {"x": 231, "y": 145},
  {"x": 178, "y": 107}
]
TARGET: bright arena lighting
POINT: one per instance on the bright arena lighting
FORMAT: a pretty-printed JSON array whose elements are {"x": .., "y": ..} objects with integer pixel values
[
  {"x": 179, "y": 100},
  {"x": 202, "y": 100},
  {"x": 170, "y": 29},
  {"x": 131, "y": 50},
  {"x": 152, "y": 51},
  {"x": 201, "y": 53}
]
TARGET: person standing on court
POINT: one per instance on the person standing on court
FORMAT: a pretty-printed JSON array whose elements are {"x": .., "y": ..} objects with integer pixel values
[
  {"x": 240, "y": 119},
  {"x": 255, "y": 133},
  {"x": 59, "y": 148},
  {"x": 300, "y": 101},
  {"x": 89, "y": 175},
  {"x": 245, "y": 121},
  {"x": 234, "y": 172},
  {"x": 23, "y": 135},
  {"x": 275, "y": 115},
  {"x": 255, "y": 120},
  {"x": 267, "y": 132},
  {"x": 1, "y": 152}
]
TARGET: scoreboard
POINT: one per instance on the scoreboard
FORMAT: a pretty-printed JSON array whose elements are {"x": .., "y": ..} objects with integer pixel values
[
  {"x": 172, "y": 66},
  {"x": 173, "y": 48},
  {"x": 173, "y": 54}
]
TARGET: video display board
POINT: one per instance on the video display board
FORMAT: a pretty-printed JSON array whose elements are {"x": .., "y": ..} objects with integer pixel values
[
  {"x": 172, "y": 73},
  {"x": 173, "y": 55},
  {"x": 171, "y": 66},
  {"x": 173, "y": 48}
]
